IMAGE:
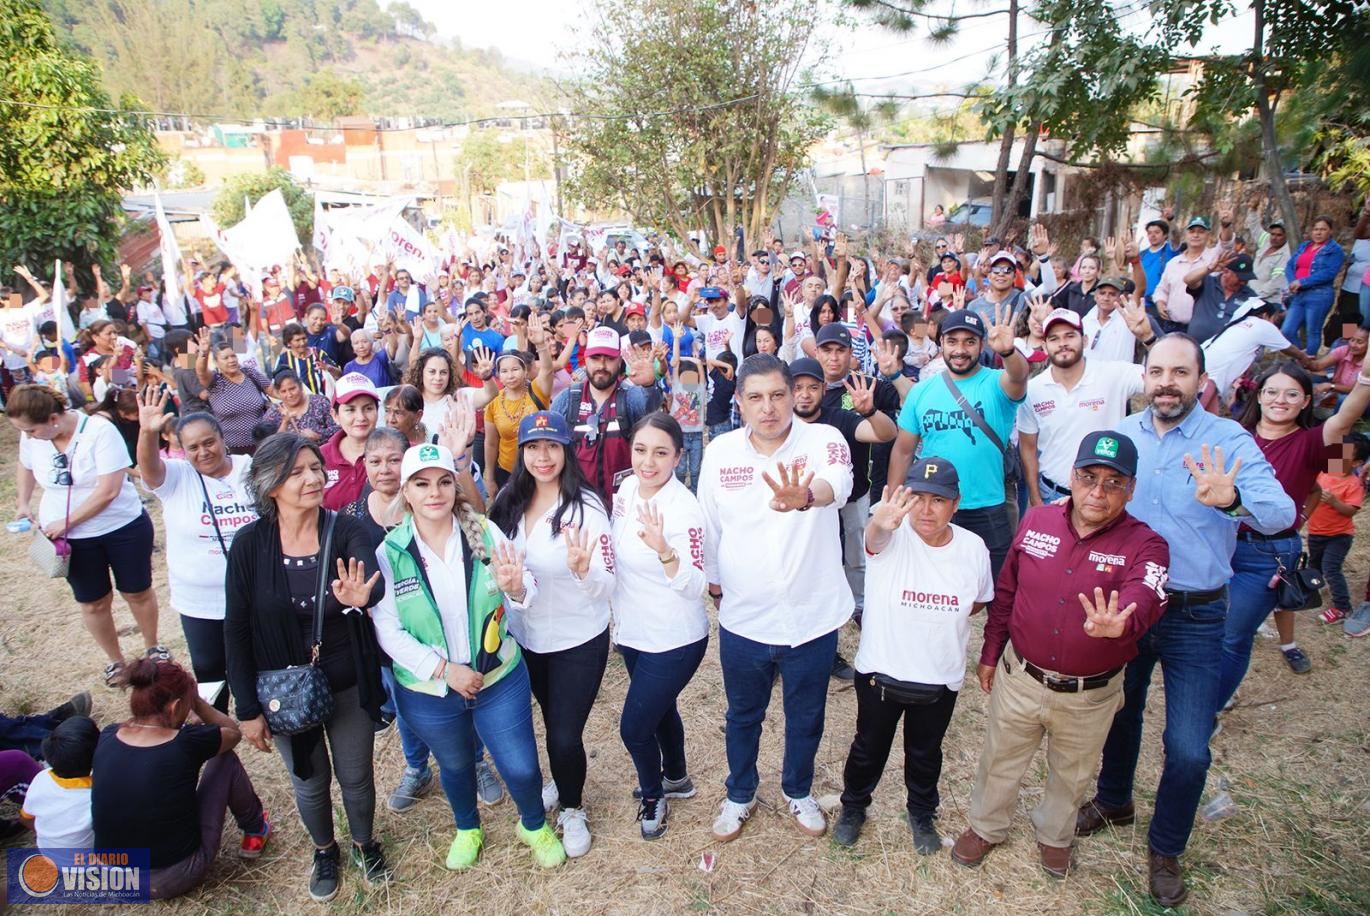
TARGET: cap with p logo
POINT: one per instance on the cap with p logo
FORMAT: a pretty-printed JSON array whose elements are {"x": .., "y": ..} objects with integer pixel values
[{"x": 929, "y": 470}]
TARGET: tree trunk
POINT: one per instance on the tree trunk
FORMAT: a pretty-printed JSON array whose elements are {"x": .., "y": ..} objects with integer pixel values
[
  {"x": 1020, "y": 180},
  {"x": 1270, "y": 148},
  {"x": 1006, "y": 141}
]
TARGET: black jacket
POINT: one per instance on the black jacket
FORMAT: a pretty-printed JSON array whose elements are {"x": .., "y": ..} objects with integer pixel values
[{"x": 261, "y": 632}]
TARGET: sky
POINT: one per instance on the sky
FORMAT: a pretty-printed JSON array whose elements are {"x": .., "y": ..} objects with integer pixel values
[{"x": 533, "y": 32}]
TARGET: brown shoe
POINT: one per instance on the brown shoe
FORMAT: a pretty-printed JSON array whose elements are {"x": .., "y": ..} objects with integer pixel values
[
  {"x": 1056, "y": 860},
  {"x": 970, "y": 849},
  {"x": 1167, "y": 879},
  {"x": 1094, "y": 817}
]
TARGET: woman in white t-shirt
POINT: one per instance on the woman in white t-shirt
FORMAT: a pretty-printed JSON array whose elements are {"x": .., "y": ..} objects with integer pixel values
[
  {"x": 81, "y": 462},
  {"x": 550, "y": 511},
  {"x": 925, "y": 577},
  {"x": 435, "y": 373},
  {"x": 204, "y": 503},
  {"x": 660, "y": 623}
]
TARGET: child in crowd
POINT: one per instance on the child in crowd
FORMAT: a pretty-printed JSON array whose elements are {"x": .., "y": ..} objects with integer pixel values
[
  {"x": 688, "y": 409},
  {"x": 718, "y": 415},
  {"x": 921, "y": 347},
  {"x": 1331, "y": 526},
  {"x": 58, "y": 800}
]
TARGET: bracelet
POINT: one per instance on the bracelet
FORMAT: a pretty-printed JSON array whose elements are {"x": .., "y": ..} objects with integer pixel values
[{"x": 808, "y": 504}]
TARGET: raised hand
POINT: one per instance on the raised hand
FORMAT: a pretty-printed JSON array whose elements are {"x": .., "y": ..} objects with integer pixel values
[
  {"x": 887, "y": 358},
  {"x": 508, "y": 563},
  {"x": 352, "y": 588},
  {"x": 1213, "y": 486},
  {"x": 862, "y": 391},
  {"x": 152, "y": 415},
  {"x": 202, "y": 340},
  {"x": 958, "y": 297},
  {"x": 457, "y": 427},
  {"x": 839, "y": 246},
  {"x": 893, "y": 508},
  {"x": 1039, "y": 307},
  {"x": 537, "y": 333},
  {"x": 653, "y": 528},
  {"x": 958, "y": 242},
  {"x": 483, "y": 361},
  {"x": 577, "y": 550},
  {"x": 640, "y": 370},
  {"x": 1134, "y": 313},
  {"x": 1000, "y": 336},
  {"x": 791, "y": 492},
  {"x": 1103, "y": 620},
  {"x": 1041, "y": 240}
]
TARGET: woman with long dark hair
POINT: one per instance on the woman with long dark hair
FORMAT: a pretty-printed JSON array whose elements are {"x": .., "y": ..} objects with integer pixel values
[
  {"x": 275, "y": 568},
  {"x": 1280, "y": 417},
  {"x": 661, "y": 625},
  {"x": 552, "y": 514}
]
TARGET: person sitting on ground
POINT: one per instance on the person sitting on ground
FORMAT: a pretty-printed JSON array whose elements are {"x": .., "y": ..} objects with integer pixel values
[{"x": 58, "y": 799}]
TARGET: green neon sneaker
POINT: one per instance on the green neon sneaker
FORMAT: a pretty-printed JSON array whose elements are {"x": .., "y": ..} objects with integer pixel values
[
  {"x": 547, "y": 850},
  {"x": 465, "y": 849}
]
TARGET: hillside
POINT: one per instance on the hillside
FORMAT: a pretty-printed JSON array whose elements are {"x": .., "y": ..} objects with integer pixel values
[{"x": 245, "y": 59}]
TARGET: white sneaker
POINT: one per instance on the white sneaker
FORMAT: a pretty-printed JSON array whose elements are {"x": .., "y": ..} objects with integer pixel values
[
  {"x": 731, "y": 817},
  {"x": 575, "y": 832},
  {"x": 808, "y": 815},
  {"x": 550, "y": 797}
]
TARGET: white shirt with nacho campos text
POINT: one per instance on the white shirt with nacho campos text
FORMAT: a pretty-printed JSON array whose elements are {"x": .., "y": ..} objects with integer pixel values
[
  {"x": 651, "y": 612},
  {"x": 564, "y": 611},
  {"x": 781, "y": 572}
]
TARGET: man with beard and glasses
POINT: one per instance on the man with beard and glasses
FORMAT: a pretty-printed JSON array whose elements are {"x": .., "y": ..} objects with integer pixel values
[
  {"x": 967, "y": 416},
  {"x": 603, "y": 413},
  {"x": 1073, "y": 398},
  {"x": 1199, "y": 477}
]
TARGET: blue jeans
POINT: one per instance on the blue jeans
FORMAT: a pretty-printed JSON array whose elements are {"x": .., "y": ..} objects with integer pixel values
[
  {"x": 749, "y": 670},
  {"x": 503, "y": 714},
  {"x": 1365, "y": 303},
  {"x": 1308, "y": 310},
  {"x": 1187, "y": 641},
  {"x": 718, "y": 429},
  {"x": 1253, "y": 566},
  {"x": 689, "y": 461},
  {"x": 415, "y": 750},
  {"x": 651, "y": 728}
]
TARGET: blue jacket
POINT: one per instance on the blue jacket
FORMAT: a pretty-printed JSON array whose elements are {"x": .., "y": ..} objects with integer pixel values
[{"x": 1317, "y": 286}]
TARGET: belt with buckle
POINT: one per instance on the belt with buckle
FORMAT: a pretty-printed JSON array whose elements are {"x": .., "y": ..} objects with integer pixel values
[
  {"x": 1249, "y": 534},
  {"x": 1182, "y": 599},
  {"x": 1065, "y": 684}
]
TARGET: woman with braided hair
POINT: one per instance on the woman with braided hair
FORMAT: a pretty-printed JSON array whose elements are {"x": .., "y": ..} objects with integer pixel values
[{"x": 448, "y": 573}]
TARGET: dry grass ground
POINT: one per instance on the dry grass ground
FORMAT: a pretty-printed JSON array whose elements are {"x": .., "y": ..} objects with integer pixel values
[{"x": 1294, "y": 752}]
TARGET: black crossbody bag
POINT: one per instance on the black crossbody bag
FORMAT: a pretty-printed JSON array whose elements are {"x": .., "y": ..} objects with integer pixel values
[
  {"x": 1010, "y": 464},
  {"x": 298, "y": 698}
]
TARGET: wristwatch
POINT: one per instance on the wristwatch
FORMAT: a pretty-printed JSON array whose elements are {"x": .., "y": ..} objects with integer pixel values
[
  {"x": 668, "y": 556},
  {"x": 1233, "y": 508}
]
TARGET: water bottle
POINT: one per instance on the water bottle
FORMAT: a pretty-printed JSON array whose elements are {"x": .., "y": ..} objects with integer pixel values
[
  {"x": 1219, "y": 807},
  {"x": 19, "y": 526}
]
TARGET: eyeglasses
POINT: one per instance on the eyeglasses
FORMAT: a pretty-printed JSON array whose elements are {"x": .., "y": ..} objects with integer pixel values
[
  {"x": 1111, "y": 485},
  {"x": 1001, "y": 270},
  {"x": 1289, "y": 396},
  {"x": 61, "y": 473}
]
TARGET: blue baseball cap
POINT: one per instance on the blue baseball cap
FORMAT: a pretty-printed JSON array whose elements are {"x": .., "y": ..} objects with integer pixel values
[
  {"x": 344, "y": 293},
  {"x": 711, "y": 292},
  {"x": 544, "y": 425}
]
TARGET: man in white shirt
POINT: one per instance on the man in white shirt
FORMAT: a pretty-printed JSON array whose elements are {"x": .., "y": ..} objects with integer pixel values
[
  {"x": 721, "y": 326},
  {"x": 1075, "y": 397},
  {"x": 1254, "y": 327},
  {"x": 1112, "y": 328},
  {"x": 770, "y": 493}
]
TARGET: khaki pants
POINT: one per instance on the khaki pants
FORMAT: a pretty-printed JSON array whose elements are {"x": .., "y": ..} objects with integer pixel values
[{"x": 1021, "y": 710}]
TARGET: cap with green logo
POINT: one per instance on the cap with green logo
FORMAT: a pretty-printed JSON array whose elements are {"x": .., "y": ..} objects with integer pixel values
[
  {"x": 422, "y": 457},
  {"x": 1109, "y": 448}
]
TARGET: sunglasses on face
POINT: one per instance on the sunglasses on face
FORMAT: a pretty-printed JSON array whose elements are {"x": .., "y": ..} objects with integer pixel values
[{"x": 1001, "y": 270}]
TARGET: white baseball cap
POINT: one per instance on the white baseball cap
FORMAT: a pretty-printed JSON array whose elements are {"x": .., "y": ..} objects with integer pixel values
[
  {"x": 422, "y": 457},
  {"x": 603, "y": 341},
  {"x": 353, "y": 385}
]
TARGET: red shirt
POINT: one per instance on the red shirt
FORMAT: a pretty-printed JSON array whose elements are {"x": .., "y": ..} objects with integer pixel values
[
  {"x": 277, "y": 313},
  {"x": 212, "y": 306},
  {"x": 1036, "y": 598},
  {"x": 1297, "y": 459},
  {"x": 1304, "y": 265},
  {"x": 346, "y": 479}
]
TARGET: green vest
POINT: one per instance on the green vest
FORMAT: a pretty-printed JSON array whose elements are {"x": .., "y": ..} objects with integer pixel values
[{"x": 492, "y": 652}]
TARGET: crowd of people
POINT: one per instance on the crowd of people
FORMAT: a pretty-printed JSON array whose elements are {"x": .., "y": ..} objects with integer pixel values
[{"x": 436, "y": 503}]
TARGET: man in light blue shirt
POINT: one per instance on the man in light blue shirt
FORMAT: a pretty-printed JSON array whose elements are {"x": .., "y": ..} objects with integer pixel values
[
  {"x": 1199, "y": 477},
  {"x": 934, "y": 416}
]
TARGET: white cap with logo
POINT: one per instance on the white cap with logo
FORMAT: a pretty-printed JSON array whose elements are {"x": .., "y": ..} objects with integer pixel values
[{"x": 422, "y": 457}]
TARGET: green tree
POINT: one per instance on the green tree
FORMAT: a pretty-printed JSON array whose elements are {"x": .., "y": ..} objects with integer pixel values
[
  {"x": 487, "y": 160},
  {"x": 409, "y": 21},
  {"x": 227, "y": 208},
  {"x": 689, "y": 114},
  {"x": 326, "y": 95},
  {"x": 66, "y": 149}
]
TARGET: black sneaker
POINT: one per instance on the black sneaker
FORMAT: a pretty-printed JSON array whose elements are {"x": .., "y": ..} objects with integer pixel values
[
  {"x": 371, "y": 861},
  {"x": 683, "y": 787},
  {"x": 323, "y": 883},
  {"x": 78, "y": 705},
  {"x": 651, "y": 816},
  {"x": 926, "y": 839},
  {"x": 848, "y": 827},
  {"x": 1298, "y": 662},
  {"x": 842, "y": 669}
]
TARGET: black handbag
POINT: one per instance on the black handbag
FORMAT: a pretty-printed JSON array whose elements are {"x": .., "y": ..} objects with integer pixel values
[
  {"x": 1300, "y": 588},
  {"x": 298, "y": 698},
  {"x": 907, "y": 692}
]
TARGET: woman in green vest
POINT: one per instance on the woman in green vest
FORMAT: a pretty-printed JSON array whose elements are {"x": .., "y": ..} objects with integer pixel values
[{"x": 447, "y": 573}]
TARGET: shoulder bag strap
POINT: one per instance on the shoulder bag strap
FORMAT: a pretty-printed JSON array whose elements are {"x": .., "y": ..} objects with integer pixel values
[
  {"x": 976, "y": 417},
  {"x": 71, "y": 472},
  {"x": 321, "y": 596},
  {"x": 212, "y": 517}
]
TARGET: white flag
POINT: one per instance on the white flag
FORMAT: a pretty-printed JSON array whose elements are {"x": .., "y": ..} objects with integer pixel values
[
  {"x": 170, "y": 251},
  {"x": 59, "y": 302},
  {"x": 411, "y": 251},
  {"x": 321, "y": 231}
]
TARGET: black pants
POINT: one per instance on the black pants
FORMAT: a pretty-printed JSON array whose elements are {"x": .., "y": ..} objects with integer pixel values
[
  {"x": 1327, "y": 554},
  {"x": 876, "y": 721},
  {"x": 995, "y": 526},
  {"x": 205, "y": 640},
  {"x": 565, "y": 684}
]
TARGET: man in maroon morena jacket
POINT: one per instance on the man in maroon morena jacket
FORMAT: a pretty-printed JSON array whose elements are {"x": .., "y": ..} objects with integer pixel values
[{"x": 1083, "y": 581}]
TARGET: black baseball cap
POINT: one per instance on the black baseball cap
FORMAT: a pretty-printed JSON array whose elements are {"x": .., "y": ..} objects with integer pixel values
[
  {"x": 833, "y": 333},
  {"x": 962, "y": 320},
  {"x": 1109, "y": 448},
  {"x": 936, "y": 476},
  {"x": 1241, "y": 266},
  {"x": 806, "y": 365}
]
